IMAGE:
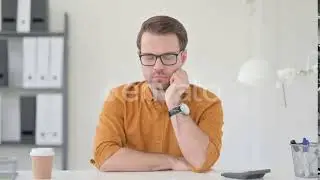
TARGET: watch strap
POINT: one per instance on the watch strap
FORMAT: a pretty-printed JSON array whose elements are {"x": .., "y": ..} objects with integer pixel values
[{"x": 174, "y": 111}]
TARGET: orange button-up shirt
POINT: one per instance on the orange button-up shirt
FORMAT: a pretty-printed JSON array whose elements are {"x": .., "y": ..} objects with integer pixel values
[{"x": 132, "y": 118}]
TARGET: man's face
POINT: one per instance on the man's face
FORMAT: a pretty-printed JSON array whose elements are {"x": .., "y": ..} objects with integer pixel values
[{"x": 156, "y": 73}]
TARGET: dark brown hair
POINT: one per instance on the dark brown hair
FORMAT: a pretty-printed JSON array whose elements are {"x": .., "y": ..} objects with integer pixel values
[{"x": 164, "y": 25}]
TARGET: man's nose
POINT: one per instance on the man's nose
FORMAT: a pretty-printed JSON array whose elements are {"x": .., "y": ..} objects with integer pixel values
[{"x": 158, "y": 64}]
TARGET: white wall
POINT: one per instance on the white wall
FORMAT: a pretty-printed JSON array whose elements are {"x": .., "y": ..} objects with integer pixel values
[
  {"x": 102, "y": 38},
  {"x": 289, "y": 37}
]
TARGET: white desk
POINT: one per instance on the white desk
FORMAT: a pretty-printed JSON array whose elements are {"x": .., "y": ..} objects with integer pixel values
[{"x": 172, "y": 175}]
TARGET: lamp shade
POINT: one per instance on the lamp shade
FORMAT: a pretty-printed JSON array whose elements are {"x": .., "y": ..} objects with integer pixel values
[{"x": 255, "y": 72}]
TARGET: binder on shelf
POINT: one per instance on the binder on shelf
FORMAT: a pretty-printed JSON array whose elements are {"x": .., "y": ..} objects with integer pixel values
[
  {"x": 35, "y": 62},
  {"x": 15, "y": 62},
  {"x": 22, "y": 54},
  {"x": 43, "y": 53},
  {"x": 3, "y": 63},
  {"x": 49, "y": 119},
  {"x": 28, "y": 118},
  {"x": 9, "y": 15},
  {"x": 11, "y": 118},
  {"x": 23, "y": 15},
  {"x": 29, "y": 62},
  {"x": 39, "y": 16},
  {"x": 56, "y": 62},
  {"x": 1, "y": 20},
  {"x": 0, "y": 119}
]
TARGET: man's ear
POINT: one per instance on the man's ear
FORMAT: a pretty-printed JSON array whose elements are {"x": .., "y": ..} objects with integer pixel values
[{"x": 184, "y": 56}]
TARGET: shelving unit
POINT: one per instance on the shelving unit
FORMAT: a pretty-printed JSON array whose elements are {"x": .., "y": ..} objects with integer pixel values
[
  {"x": 27, "y": 143},
  {"x": 318, "y": 69}
]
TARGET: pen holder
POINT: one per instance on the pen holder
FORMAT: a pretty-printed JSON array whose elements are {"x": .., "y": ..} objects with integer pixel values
[{"x": 305, "y": 160}]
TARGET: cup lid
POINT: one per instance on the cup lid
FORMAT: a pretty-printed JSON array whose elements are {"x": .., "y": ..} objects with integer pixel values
[{"x": 42, "y": 152}]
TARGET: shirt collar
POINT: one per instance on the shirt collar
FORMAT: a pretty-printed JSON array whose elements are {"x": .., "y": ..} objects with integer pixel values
[{"x": 147, "y": 93}]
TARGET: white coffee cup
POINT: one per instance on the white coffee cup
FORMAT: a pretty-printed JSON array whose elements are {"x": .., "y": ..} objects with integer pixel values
[{"x": 42, "y": 162}]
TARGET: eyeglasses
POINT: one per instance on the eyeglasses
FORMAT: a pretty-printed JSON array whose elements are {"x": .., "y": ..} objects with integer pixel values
[{"x": 167, "y": 59}]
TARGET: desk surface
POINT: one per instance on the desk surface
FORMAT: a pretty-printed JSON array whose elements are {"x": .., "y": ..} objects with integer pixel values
[{"x": 172, "y": 175}]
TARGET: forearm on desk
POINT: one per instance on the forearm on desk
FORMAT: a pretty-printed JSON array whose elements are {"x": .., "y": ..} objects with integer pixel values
[
  {"x": 192, "y": 140},
  {"x": 126, "y": 159}
]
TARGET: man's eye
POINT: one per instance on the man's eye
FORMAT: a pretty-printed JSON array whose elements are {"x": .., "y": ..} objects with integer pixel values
[
  {"x": 168, "y": 57},
  {"x": 148, "y": 58}
]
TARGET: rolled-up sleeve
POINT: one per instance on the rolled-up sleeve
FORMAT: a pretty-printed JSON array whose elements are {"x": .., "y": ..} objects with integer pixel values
[
  {"x": 211, "y": 122},
  {"x": 109, "y": 136}
]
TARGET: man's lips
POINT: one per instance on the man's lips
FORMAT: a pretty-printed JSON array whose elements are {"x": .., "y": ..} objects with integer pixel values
[{"x": 160, "y": 77}]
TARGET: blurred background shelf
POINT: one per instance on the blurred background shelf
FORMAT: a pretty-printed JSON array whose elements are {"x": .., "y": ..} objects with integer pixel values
[
  {"x": 29, "y": 100},
  {"x": 9, "y": 34},
  {"x": 23, "y": 91}
]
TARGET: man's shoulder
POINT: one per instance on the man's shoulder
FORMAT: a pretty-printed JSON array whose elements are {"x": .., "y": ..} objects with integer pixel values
[
  {"x": 203, "y": 99},
  {"x": 202, "y": 94},
  {"x": 126, "y": 90}
]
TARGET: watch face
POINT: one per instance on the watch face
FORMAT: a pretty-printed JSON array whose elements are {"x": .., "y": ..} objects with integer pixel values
[{"x": 185, "y": 109}]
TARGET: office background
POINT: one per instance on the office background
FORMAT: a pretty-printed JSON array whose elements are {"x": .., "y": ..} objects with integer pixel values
[{"x": 102, "y": 54}]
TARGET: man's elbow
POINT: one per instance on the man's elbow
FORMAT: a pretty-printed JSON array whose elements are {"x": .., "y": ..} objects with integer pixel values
[
  {"x": 199, "y": 162},
  {"x": 102, "y": 153},
  {"x": 207, "y": 161},
  {"x": 205, "y": 165},
  {"x": 105, "y": 167},
  {"x": 108, "y": 165}
]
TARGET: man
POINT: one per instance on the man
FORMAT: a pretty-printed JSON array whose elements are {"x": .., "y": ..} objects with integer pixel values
[{"x": 164, "y": 122}]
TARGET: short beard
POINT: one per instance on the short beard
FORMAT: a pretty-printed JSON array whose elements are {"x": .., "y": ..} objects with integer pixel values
[
  {"x": 159, "y": 86},
  {"x": 158, "y": 90}
]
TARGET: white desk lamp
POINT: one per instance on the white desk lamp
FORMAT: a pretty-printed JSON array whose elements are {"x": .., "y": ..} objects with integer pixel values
[{"x": 257, "y": 72}]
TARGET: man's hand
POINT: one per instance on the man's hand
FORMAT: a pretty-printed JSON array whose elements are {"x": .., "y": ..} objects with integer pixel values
[
  {"x": 180, "y": 164},
  {"x": 179, "y": 83}
]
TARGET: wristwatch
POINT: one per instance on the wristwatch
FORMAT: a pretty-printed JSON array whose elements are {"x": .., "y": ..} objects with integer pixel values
[{"x": 182, "y": 108}]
